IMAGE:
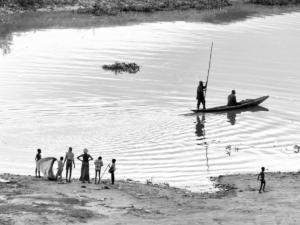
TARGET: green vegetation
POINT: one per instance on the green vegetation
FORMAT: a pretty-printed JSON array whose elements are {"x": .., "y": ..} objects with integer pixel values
[
  {"x": 118, "y": 67},
  {"x": 113, "y": 7}
]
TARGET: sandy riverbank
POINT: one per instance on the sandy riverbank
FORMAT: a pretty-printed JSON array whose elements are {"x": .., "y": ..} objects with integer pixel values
[{"x": 28, "y": 200}]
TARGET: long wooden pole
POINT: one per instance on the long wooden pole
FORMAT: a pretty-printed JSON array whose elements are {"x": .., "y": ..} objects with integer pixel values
[
  {"x": 104, "y": 171},
  {"x": 212, "y": 44}
]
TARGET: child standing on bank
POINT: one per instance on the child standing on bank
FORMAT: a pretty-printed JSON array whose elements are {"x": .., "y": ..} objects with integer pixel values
[
  {"x": 60, "y": 169},
  {"x": 98, "y": 165},
  {"x": 112, "y": 169},
  {"x": 37, "y": 158},
  {"x": 261, "y": 177}
]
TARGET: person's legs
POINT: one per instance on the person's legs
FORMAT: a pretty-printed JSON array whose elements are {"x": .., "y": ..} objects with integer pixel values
[
  {"x": 82, "y": 174},
  {"x": 67, "y": 171},
  {"x": 198, "y": 103},
  {"x": 87, "y": 172},
  {"x": 203, "y": 103},
  {"x": 261, "y": 184},
  {"x": 96, "y": 173},
  {"x": 99, "y": 176},
  {"x": 70, "y": 173},
  {"x": 264, "y": 184},
  {"x": 112, "y": 178},
  {"x": 59, "y": 177}
]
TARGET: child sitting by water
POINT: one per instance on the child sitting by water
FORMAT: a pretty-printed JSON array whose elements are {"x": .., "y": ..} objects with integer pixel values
[
  {"x": 60, "y": 169},
  {"x": 98, "y": 165},
  {"x": 261, "y": 177}
]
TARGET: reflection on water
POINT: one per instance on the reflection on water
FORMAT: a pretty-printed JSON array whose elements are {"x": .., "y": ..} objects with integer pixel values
[
  {"x": 229, "y": 149},
  {"x": 231, "y": 118},
  {"x": 54, "y": 94},
  {"x": 5, "y": 43},
  {"x": 231, "y": 115},
  {"x": 200, "y": 132}
]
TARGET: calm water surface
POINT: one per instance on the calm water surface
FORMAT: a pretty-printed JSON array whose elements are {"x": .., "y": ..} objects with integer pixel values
[{"x": 54, "y": 94}]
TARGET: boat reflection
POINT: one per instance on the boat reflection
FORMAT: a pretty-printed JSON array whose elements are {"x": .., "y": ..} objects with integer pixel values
[
  {"x": 231, "y": 115},
  {"x": 231, "y": 118}
]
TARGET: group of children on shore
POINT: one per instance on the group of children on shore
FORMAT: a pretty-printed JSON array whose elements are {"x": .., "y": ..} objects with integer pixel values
[
  {"x": 84, "y": 158},
  {"x": 69, "y": 160}
]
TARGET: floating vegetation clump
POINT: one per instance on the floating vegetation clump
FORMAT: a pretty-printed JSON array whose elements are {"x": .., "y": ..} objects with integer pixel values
[{"x": 119, "y": 67}]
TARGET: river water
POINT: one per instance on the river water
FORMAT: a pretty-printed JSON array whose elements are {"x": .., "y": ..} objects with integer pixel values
[{"x": 54, "y": 94}]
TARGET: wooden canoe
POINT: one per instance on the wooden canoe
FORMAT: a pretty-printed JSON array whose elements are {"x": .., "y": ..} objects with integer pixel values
[{"x": 241, "y": 105}]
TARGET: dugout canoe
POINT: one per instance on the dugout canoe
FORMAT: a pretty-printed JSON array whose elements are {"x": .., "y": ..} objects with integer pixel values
[{"x": 248, "y": 103}]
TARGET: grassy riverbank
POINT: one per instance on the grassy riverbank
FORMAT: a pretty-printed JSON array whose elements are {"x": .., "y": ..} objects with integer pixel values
[
  {"x": 275, "y": 2},
  {"x": 29, "y": 200},
  {"x": 115, "y": 7},
  {"x": 26, "y": 4},
  {"x": 112, "y": 7},
  {"x": 65, "y": 14}
]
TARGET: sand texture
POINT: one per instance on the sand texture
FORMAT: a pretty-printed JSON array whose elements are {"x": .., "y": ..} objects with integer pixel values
[{"x": 29, "y": 200}]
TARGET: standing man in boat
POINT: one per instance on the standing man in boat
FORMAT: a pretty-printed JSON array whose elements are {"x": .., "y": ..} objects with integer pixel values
[
  {"x": 201, "y": 95},
  {"x": 232, "y": 99}
]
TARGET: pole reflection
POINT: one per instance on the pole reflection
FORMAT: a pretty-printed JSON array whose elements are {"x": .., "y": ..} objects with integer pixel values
[{"x": 200, "y": 133}]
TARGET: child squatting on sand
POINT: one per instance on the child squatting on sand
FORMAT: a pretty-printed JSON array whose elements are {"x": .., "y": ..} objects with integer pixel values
[{"x": 261, "y": 177}]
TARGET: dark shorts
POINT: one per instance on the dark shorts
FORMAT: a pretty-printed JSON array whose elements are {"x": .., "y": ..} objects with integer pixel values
[
  {"x": 201, "y": 98},
  {"x": 69, "y": 164}
]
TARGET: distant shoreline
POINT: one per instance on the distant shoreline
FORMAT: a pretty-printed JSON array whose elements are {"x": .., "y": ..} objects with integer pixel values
[
  {"x": 104, "y": 7},
  {"x": 85, "y": 13},
  {"x": 77, "y": 16},
  {"x": 26, "y": 198},
  {"x": 115, "y": 7}
]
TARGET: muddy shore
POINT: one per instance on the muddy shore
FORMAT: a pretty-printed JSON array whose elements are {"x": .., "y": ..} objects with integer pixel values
[{"x": 30, "y": 200}]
